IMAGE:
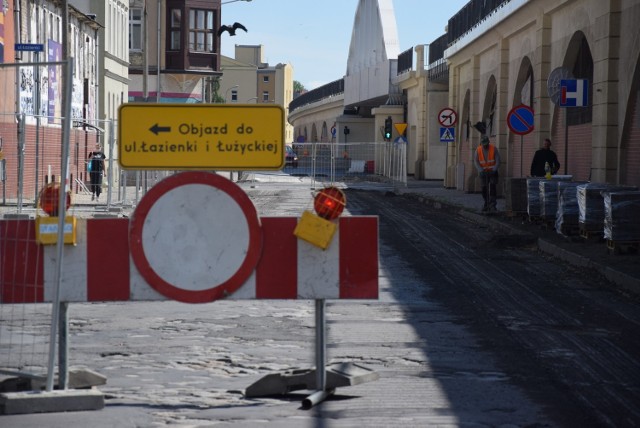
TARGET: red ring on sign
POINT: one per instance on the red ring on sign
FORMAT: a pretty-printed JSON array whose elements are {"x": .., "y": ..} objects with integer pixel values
[
  {"x": 451, "y": 112},
  {"x": 216, "y": 292}
]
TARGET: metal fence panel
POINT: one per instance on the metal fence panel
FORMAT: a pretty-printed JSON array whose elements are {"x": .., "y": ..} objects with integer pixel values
[
  {"x": 24, "y": 327},
  {"x": 348, "y": 162}
]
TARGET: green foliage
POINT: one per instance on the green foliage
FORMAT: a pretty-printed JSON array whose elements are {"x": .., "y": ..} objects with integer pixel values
[{"x": 298, "y": 87}]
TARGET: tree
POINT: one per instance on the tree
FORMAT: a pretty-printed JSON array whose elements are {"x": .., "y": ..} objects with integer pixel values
[{"x": 298, "y": 87}]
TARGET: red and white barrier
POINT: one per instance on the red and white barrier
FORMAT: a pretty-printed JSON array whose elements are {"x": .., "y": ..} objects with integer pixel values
[
  {"x": 100, "y": 267},
  {"x": 194, "y": 237}
]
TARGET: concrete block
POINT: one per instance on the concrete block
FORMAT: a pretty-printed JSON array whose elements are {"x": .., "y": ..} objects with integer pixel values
[
  {"x": 68, "y": 400},
  {"x": 338, "y": 374},
  {"x": 78, "y": 379}
]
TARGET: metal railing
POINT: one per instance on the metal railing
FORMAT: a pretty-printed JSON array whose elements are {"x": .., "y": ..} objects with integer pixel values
[
  {"x": 328, "y": 163},
  {"x": 469, "y": 16},
  {"x": 325, "y": 91},
  {"x": 405, "y": 61}
]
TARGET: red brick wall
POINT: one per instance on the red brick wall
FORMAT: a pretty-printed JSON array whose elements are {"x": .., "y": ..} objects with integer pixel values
[
  {"x": 529, "y": 147},
  {"x": 579, "y": 148},
  {"x": 630, "y": 161},
  {"x": 49, "y": 155}
]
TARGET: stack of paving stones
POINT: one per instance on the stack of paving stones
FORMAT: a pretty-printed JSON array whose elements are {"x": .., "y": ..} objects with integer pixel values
[
  {"x": 622, "y": 216},
  {"x": 591, "y": 206},
  {"x": 516, "y": 195},
  {"x": 568, "y": 211}
]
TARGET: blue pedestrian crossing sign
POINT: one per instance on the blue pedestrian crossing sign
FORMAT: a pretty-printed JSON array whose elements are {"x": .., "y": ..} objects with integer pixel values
[{"x": 447, "y": 135}]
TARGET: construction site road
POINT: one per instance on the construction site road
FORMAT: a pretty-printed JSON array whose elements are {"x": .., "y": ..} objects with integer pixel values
[{"x": 472, "y": 328}]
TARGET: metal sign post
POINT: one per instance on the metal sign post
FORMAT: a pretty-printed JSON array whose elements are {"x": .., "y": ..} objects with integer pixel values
[
  {"x": 321, "y": 392},
  {"x": 447, "y": 118},
  {"x": 554, "y": 89},
  {"x": 573, "y": 93}
]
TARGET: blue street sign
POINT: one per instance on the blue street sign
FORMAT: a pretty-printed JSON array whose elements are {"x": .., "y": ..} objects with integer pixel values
[
  {"x": 447, "y": 135},
  {"x": 400, "y": 140},
  {"x": 574, "y": 93},
  {"x": 29, "y": 47},
  {"x": 520, "y": 120}
]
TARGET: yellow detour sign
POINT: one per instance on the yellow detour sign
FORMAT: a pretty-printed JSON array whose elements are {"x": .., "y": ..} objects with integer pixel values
[{"x": 201, "y": 136}]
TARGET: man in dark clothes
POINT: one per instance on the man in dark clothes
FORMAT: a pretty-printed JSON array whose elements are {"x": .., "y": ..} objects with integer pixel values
[
  {"x": 95, "y": 165},
  {"x": 543, "y": 156}
]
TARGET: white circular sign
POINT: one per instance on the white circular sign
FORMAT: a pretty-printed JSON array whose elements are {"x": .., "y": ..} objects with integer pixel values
[{"x": 195, "y": 237}]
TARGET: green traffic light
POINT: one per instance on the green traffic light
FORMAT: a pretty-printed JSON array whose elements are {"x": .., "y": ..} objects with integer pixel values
[{"x": 387, "y": 128}]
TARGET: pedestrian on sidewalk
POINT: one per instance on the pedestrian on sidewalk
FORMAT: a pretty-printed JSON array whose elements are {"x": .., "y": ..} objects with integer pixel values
[
  {"x": 95, "y": 166},
  {"x": 542, "y": 157},
  {"x": 487, "y": 162}
]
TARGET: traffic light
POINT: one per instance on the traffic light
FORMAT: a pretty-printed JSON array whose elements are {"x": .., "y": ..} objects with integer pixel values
[{"x": 387, "y": 128}]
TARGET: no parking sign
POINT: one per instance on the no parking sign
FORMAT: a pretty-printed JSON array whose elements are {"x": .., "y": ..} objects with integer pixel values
[{"x": 520, "y": 120}]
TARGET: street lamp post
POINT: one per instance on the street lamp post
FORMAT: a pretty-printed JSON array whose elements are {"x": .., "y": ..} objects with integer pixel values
[
  {"x": 227, "y": 92},
  {"x": 252, "y": 99}
]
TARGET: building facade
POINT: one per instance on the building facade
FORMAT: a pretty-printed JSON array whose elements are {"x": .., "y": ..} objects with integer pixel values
[
  {"x": 248, "y": 79},
  {"x": 520, "y": 54},
  {"x": 112, "y": 74},
  {"x": 175, "y": 57},
  {"x": 499, "y": 55},
  {"x": 32, "y": 105},
  {"x": 174, "y": 51}
]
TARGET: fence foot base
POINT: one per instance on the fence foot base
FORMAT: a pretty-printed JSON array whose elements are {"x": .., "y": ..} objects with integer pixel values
[
  {"x": 78, "y": 379},
  {"x": 338, "y": 374},
  {"x": 66, "y": 400}
]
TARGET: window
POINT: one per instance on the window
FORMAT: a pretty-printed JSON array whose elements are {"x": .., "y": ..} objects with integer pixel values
[
  {"x": 201, "y": 30},
  {"x": 176, "y": 19},
  {"x": 135, "y": 29},
  {"x": 265, "y": 96},
  {"x": 234, "y": 95},
  {"x": 265, "y": 79}
]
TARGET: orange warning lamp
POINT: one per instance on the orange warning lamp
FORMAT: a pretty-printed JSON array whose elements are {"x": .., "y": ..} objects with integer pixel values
[
  {"x": 319, "y": 229},
  {"x": 329, "y": 203},
  {"x": 49, "y": 198}
]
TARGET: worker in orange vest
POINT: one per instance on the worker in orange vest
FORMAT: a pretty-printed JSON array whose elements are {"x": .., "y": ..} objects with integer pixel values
[{"x": 487, "y": 162}]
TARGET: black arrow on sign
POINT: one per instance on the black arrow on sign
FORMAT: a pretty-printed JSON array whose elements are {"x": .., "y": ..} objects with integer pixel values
[
  {"x": 157, "y": 129},
  {"x": 447, "y": 117}
]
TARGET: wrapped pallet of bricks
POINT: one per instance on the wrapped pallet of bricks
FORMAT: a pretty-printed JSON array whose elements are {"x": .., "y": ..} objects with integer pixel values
[
  {"x": 515, "y": 195},
  {"x": 568, "y": 212},
  {"x": 591, "y": 205},
  {"x": 622, "y": 216},
  {"x": 534, "y": 195},
  {"x": 548, "y": 199}
]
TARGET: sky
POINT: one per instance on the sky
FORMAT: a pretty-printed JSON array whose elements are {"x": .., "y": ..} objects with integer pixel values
[{"x": 314, "y": 35}]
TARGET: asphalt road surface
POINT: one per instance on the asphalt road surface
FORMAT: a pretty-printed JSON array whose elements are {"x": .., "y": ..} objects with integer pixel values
[
  {"x": 471, "y": 329},
  {"x": 565, "y": 337}
]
